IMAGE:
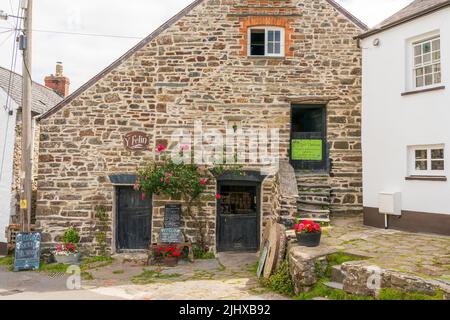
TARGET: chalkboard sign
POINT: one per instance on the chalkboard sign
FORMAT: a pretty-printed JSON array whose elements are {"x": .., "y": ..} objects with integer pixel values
[
  {"x": 28, "y": 251},
  {"x": 171, "y": 235},
  {"x": 172, "y": 216}
]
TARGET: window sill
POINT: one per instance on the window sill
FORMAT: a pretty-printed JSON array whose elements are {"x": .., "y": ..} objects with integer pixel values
[
  {"x": 267, "y": 57},
  {"x": 407, "y": 93},
  {"x": 426, "y": 178}
]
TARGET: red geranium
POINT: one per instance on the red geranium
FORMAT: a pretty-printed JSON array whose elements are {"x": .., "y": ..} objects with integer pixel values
[
  {"x": 218, "y": 196},
  {"x": 161, "y": 148},
  {"x": 168, "y": 251},
  {"x": 202, "y": 182},
  {"x": 307, "y": 226}
]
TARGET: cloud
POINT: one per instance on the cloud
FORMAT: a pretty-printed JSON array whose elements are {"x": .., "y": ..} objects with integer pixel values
[{"x": 84, "y": 57}]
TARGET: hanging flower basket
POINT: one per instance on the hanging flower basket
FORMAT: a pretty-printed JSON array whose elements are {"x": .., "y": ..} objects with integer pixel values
[{"x": 308, "y": 233}]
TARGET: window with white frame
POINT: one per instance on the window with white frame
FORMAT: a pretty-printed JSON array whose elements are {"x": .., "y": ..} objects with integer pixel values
[
  {"x": 427, "y": 62},
  {"x": 427, "y": 160},
  {"x": 266, "y": 41}
]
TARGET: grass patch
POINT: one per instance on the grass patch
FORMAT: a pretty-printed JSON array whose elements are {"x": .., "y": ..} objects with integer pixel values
[
  {"x": 7, "y": 261},
  {"x": 118, "y": 271},
  {"x": 321, "y": 290},
  {"x": 96, "y": 262},
  {"x": 202, "y": 254},
  {"x": 53, "y": 267},
  {"x": 202, "y": 275},
  {"x": 87, "y": 276},
  {"x": 151, "y": 276},
  {"x": 393, "y": 294},
  {"x": 280, "y": 281}
]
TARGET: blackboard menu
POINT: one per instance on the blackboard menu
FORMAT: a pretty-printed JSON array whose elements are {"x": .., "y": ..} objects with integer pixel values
[
  {"x": 28, "y": 251},
  {"x": 172, "y": 216},
  {"x": 171, "y": 235}
]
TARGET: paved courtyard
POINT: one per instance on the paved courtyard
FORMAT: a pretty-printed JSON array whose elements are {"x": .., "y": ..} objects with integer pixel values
[
  {"x": 420, "y": 254},
  {"x": 231, "y": 275}
]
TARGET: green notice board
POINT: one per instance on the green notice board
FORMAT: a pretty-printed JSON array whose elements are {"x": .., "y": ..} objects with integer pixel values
[{"x": 307, "y": 150}]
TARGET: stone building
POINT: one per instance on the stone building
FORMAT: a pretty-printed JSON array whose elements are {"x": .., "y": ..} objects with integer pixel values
[
  {"x": 289, "y": 65},
  {"x": 44, "y": 98}
]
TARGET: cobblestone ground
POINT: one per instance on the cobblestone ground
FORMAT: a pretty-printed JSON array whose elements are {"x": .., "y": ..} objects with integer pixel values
[
  {"x": 231, "y": 276},
  {"x": 421, "y": 254}
]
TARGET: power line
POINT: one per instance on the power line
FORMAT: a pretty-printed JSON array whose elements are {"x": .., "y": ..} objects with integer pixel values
[
  {"x": 82, "y": 34},
  {"x": 8, "y": 94}
]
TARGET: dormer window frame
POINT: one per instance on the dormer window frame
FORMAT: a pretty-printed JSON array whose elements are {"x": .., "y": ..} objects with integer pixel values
[{"x": 267, "y": 30}]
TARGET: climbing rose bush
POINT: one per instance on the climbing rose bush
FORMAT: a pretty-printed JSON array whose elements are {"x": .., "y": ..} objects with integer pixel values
[{"x": 307, "y": 226}]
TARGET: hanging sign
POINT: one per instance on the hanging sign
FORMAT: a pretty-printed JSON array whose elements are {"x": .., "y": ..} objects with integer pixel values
[
  {"x": 172, "y": 216},
  {"x": 136, "y": 140},
  {"x": 307, "y": 150},
  {"x": 28, "y": 251}
]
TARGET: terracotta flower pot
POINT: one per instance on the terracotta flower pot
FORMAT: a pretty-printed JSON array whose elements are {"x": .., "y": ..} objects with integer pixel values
[
  {"x": 170, "y": 261},
  {"x": 309, "y": 239}
]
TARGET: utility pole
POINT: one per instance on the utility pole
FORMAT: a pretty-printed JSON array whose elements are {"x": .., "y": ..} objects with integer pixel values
[{"x": 27, "y": 139}]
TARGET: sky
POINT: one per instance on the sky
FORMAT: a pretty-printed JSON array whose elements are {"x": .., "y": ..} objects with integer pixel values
[{"x": 85, "y": 56}]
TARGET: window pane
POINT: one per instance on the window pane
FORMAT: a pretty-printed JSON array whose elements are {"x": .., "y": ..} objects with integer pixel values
[
  {"x": 421, "y": 165},
  {"x": 436, "y": 44},
  {"x": 437, "y": 78},
  {"x": 428, "y": 69},
  {"x": 437, "y": 154},
  {"x": 426, "y": 47},
  {"x": 418, "y": 60},
  {"x": 270, "y": 48},
  {"x": 417, "y": 50},
  {"x": 277, "y": 48},
  {"x": 270, "y": 35},
  {"x": 428, "y": 79},
  {"x": 436, "y": 56},
  {"x": 419, "y": 72},
  {"x": 437, "y": 165},
  {"x": 426, "y": 57},
  {"x": 419, "y": 82},
  {"x": 278, "y": 36},
  {"x": 421, "y": 154},
  {"x": 257, "y": 42}
]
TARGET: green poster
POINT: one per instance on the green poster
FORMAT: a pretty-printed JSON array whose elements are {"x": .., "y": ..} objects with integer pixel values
[{"x": 307, "y": 150}]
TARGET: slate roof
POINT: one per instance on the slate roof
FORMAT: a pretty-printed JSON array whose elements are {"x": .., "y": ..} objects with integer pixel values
[
  {"x": 43, "y": 98},
  {"x": 156, "y": 33},
  {"x": 412, "y": 11}
]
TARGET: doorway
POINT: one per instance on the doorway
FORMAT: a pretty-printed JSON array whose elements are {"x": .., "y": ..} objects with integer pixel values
[
  {"x": 309, "y": 149},
  {"x": 238, "y": 216},
  {"x": 134, "y": 219}
]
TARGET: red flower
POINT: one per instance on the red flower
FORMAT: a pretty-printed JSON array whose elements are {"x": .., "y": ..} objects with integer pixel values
[
  {"x": 142, "y": 196},
  {"x": 161, "y": 148},
  {"x": 59, "y": 248},
  {"x": 167, "y": 181},
  {"x": 161, "y": 180},
  {"x": 202, "y": 182},
  {"x": 218, "y": 196}
]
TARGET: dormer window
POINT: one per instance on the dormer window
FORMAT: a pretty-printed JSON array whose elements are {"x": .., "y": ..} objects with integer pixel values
[{"x": 266, "y": 41}]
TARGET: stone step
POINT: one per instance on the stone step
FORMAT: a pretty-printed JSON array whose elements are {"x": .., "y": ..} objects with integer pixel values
[
  {"x": 320, "y": 298},
  {"x": 314, "y": 203},
  {"x": 317, "y": 220},
  {"x": 313, "y": 210},
  {"x": 337, "y": 275},
  {"x": 315, "y": 194},
  {"x": 334, "y": 285}
]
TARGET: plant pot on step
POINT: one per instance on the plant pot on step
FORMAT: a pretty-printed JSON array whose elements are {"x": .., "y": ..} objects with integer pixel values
[
  {"x": 170, "y": 261},
  {"x": 309, "y": 239},
  {"x": 71, "y": 258}
]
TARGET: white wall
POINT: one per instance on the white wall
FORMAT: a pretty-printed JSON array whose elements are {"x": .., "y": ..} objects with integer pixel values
[
  {"x": 391, "y": 122},
  {"x": 7, "y": 129}
]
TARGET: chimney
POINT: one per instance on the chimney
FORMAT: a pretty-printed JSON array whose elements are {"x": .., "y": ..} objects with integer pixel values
[{"x": 58, "y": 82}]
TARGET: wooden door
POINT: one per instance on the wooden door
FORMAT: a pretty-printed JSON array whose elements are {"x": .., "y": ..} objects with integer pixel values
[
  {"x": 134, "y": 219},
  {"x": 238, "y": 217}
]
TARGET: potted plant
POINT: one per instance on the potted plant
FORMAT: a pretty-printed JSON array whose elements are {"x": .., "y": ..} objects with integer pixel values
[
  {"x": 308, "y": 233},
  {"x": 67, "y": 252},
  {"x": 169, "y": 255}
]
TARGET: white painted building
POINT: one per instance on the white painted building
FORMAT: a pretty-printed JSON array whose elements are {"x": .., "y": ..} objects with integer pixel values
[
  {"x": 406, "y": 119},
  {"x": 10, "y": 118}
]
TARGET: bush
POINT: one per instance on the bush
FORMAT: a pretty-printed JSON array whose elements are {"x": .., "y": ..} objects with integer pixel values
[
  {"x": 71, "y": 236},
  {"x": 280, "y": 281}
]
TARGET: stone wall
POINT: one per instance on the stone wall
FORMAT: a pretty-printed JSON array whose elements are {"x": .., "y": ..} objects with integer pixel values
[{"x": 197, "y": 70}]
